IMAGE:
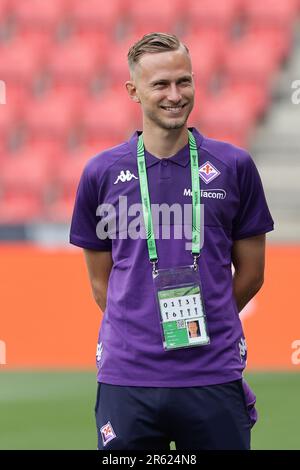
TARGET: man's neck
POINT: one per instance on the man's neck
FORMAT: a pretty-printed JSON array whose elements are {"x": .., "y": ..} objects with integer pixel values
[{"x": 164, "y": 143}]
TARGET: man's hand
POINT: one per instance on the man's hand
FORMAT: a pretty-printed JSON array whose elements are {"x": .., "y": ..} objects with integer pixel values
[
  {"x": 248, "y": 257},
  {"x": 99, "y": 264}
]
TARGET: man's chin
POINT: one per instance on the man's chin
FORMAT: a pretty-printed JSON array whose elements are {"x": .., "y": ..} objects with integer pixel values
[{"x": 174, "y": 123}]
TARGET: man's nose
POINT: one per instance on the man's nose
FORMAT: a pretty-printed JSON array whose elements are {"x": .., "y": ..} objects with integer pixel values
[{"x": 174, "y": 94}]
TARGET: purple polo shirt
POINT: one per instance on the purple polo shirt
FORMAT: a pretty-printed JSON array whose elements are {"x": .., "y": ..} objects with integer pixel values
[{"x": 130, "y": 349}]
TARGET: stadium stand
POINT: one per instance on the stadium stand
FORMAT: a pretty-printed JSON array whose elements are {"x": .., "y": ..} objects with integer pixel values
[{"x": 63, "y": 63}]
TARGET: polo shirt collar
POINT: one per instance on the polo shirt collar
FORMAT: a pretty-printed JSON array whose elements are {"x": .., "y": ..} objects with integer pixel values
[{"x": 181, "y": 158}]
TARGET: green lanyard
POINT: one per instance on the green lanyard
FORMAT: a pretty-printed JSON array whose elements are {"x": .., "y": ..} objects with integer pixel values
[{"x": 196, "y": 204}]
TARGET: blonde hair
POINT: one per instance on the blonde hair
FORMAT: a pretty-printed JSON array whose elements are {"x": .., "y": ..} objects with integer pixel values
[{"x": 153, "y": 43}]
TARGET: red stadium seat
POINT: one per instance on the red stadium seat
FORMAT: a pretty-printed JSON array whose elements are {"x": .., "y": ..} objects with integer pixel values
[
  {"x": 227, "y": 113},
  {"x": 49, "y": 153},
  {"x": 94, "y": 147},
  {"x": 4, "y": 9},
  {"x": 39, "y": 14},
  {"x": 214, "y": 36},
  {"x": 18, "y": 96},
  {"x": 206, "y": 54},
  {"x": 74, "y": 94},
  {"x": 16, "y": 209},
  {"x": 279, "y": 40},
  {"x": 271, "y": 13},
  {"x": 61, "y": 209},
  {"x": 77, "y": 61},
  {"x": 53, "y": 115},
  {"x": 8, "y": 118},
  {"x": 201, "y": 98},
  {"x": 154, "y": 15},
  {"x": 69, "y": 173},
  {"x": 239, "y": 138},
  {"x": 94, "y": 14},
  {"x": 66, "y": 182},
  {"x": 213, "y": 13},
  {"x": 112, "y": 115},
  {"x": 251, "y": 60},
  {"x": 11, "y": 113},
  {"x": 26, "y": 173},
  {"x": 21, "y": 61},
  {"x": 117, "y": 65},
  {"x": 257, "y": 95}
]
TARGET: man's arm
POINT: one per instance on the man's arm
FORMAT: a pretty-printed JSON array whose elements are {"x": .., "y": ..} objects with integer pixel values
[
  {"x": 248, "y": 257},
  {"x": 99, "y": 264}
]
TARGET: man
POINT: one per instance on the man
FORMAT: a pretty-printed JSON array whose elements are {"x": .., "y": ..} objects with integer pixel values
[
  {"x": 193, "y": 327},
  {"x": 153, "y": 386}
]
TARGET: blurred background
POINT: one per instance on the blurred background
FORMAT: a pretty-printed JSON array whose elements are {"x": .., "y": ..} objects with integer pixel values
[{"x": 63, "y": 66}]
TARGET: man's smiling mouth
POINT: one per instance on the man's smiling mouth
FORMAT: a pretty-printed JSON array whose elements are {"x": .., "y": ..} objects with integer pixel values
[{"x": 174, "y": 109}]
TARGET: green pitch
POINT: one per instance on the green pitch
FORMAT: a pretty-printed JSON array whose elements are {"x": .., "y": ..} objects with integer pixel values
[{"x": 54, "y": 410}]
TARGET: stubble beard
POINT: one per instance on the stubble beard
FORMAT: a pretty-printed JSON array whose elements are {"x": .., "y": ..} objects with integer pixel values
[{"x": 172, "y": 123}]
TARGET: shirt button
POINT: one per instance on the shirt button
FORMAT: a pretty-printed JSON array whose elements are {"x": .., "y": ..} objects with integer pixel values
[{"x": 165, "y": 162}]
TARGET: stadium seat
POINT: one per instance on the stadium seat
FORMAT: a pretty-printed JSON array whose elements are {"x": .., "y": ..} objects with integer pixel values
[
  {"x": 69, "y": 173},
  {"x": 238, "y": 137},
  {"x": 77, "y": 61},
  {"x": 206, "y": 54},
  {"x": 17, "y": 209},
  {"x": 26, "y": 173},
  {"x": 271, "y": 13},
  {"x": 154, "y": 15},
  {"x": 94, "y": 147},
  {"x": 103, "y": 16},
  {"x": 67, "y": 178},
  {"x": 9, "y": 118},
  {"x": 251, "y": 60},
  {"x": 52, "y": 115},
  {"x": 116, "y": 69},
  {"x": 24, "y": 182},
  {"x": 49, "y": 153},
  {"x": 213, "y": 13},
  {"x": 227, "y": 113},
  {"x": 3, "y": 155},
  {"x": 279, "y": 40},
  {"x": 21, "y": 61},
  {"x": 257, "y": 95},
  {"x": 4, "y": 9},
  {"x": 18, "y": 95},
  {"x": 212, "y": 35},
  {"x": 112, "y": 115},
  {"x": 60, "y": 210},
  {"x": 74, "y": 93},
  {"x": 39, "y": 14},
  {"x": 60, "y": 205},
  {"x": 38, "y": 39}
]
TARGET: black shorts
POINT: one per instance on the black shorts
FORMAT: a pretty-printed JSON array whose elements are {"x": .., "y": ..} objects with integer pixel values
[{"x": 213, "y": 417}]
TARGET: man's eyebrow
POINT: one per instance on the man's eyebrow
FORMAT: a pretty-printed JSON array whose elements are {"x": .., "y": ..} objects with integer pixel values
[
  {"x": 185, "y": 77},
  {"x": 164, "y": 81},
  {"x": 156, "y": 82}
]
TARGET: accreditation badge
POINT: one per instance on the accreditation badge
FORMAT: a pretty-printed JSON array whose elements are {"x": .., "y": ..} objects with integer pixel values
[{"x": 181, "y": 309}]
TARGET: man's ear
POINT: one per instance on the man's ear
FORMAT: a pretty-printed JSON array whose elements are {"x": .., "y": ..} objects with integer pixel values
[{"x": 132, "y": 91}]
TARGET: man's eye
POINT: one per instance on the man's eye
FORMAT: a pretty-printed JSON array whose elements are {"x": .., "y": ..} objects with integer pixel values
[{"x": 159, "y": 85}]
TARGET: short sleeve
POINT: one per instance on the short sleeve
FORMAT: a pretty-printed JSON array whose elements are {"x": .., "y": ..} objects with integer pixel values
[
  {"x": 83, "y": 232},
  {"x": 253, "y": 216}
]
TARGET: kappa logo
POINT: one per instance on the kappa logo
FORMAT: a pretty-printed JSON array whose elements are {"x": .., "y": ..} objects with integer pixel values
[
  {"x": 99, "y": 351},
  {"x": 107, "y": 433},
  {"x": 208, "y": 172},
  {"x": 243, "y": 349},
  {"x": 125, "y": 176}
]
